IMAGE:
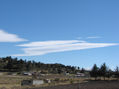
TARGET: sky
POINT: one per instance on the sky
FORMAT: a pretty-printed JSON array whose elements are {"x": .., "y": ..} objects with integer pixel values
[{"x": 71, "y": 32}]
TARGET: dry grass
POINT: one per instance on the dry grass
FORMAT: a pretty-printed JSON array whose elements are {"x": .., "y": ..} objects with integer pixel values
[
  {"x": 14, "y": 81},
  {"x": 10, "y": 81}
]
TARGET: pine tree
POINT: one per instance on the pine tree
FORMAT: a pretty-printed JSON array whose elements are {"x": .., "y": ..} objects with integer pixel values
[
  {"x": 109, "y": 73},
  {"x": 117, "y": 72},
  {"x": 103, "y": 71},
  {"x": 94, "y": 71}
]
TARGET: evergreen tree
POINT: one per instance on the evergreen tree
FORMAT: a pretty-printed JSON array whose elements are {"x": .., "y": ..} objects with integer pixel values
[
  {"x": 82, "y": 70},
  {"x": 94, "y": 71},
  {"x": 117, "y": 73},
  {"x": 109, "y": 73},
  {"x": 10, "y": 64},
  {"x": 103, "y": 71}
]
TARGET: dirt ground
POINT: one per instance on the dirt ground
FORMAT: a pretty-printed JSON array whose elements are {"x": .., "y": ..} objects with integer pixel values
[
  {"x": 88, "y": 85},
  {"x": 100, "y": 85}
]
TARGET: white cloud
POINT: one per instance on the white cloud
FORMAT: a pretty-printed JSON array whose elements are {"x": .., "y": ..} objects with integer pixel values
[
  {"x": 93, "y": 37},
  {"x": 8, "y": 37},
  {"x": 45, "y": 47},
  {"x": 50, "y": 43}
]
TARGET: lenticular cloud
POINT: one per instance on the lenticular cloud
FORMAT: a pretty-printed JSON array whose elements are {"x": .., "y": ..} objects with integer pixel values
[{"x": 45, "y": 47}]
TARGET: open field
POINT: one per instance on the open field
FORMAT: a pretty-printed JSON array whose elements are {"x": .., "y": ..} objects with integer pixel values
[
  {"x": 14, "y": 82},
  {"x": 88, "y": 85},
  {"x": 9, "y": 81}
]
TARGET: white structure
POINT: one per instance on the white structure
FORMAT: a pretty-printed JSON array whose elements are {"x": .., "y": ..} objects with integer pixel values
[
  {"x": 32, "y": 82},
  {"x": 80, "y": 75},
  {"x": 27, "y": 73},
  {"x": 38, "y": 82}
]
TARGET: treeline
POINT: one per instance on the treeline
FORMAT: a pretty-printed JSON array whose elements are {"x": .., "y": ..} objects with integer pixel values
[
  {"x": 10, "y": 64},
  {"x": 104, "y": 71}
]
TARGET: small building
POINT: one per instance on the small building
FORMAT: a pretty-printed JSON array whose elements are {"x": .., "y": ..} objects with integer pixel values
[
  {"x": 26, "y": 82},
  {"x": 32, "y": 82},
  {"x": 38, "y": 82},
  {"x": 66, "y": 73},
  {"x": 80, "y": 75},
  {"x": 27, "y": 73}
]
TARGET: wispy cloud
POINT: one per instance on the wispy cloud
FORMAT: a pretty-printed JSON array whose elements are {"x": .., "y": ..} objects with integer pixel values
[
  {"x": 93, "y": 37},
  {"x": 8, "y": 37},
  {"x": 45, "y": 47}
]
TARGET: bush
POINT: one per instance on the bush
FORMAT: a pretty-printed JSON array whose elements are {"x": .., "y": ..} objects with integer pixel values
[
  {"x": 57, "y": 79},
  {"x": 71, "y": 81}
]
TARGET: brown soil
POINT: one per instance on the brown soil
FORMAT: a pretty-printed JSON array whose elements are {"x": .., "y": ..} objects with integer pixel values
[{"x": 100, "y": 85}]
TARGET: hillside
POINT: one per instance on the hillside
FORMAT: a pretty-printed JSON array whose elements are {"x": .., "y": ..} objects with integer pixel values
[{"x": 9, "y": 64}]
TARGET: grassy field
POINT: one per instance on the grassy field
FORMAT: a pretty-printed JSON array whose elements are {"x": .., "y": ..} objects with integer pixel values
[
  {"x": 87, "y": 85},
  {"x": 14, "y": 81},
  {"x": 10, "y": 81},
  {"x": 58, "y": 82}
]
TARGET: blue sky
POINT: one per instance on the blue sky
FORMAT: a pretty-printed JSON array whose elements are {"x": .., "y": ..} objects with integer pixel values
[{"x": 71, "y": 32}]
